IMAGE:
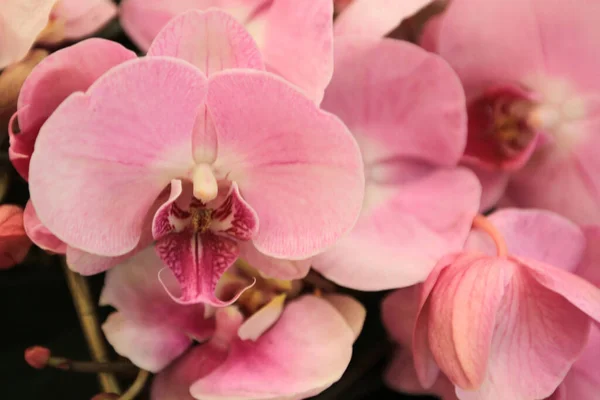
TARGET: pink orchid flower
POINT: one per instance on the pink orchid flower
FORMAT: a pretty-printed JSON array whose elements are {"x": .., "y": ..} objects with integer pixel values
[
  {"x": 14, "y": 243},
  {"x": 295, "y": 40},
  {"x": 286, "y": 349},
  {"x": 405, "y": 107},
  {"x": 22, "y": 22},
  {"x": 508, "y": 326},
  {"x": 374, "y": 18},
  {"x": 533, "y": 122},
  {"x": 237, "y": 146}
]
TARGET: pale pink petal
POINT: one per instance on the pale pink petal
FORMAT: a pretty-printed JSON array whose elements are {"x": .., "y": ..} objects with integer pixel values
[
  {"x": 401, "y": 376},
  {"x": 20, "y": 23},
  {"x": 137, "y": 124},
  {"x": 399, "y": 314},
  {"x": 300, "y": 171},
  {"x": 537, "y": 338},
  {"x": 263, "y": 319},
  {"x": 493, "y": 185},
  {"x": 589, "y": 268},
  {"x": 213, "y": 41},
  {"x": 14, "y": 243},
  {"x": 83, "y": 17},
  {"x": 583, "y": 381},
  {"x": 536, "y": 234},
  {"x": 469, "y": 29},
  {"x": 298, "y": 43},
  {"x": 576, "y": 290},
  {"x": 375, "y": 18},
  {"x": 151, "y": 347},
  {"x": 174, "y": 382},
  {"x": 143, "y": 19},
  {"x": 425, "y": 365},
  {"x": 66, "y": 71},
  {"x": 146, "y": 312},
  {"x": 353, "y": 312},
  {"x": 397, "y": 243},
  {"x": 303, "y": 353},
  {"x": 431, "y": 33},
  {"x": 39, "y": 234},
  {"x": 563, "y": 185},
  {"x": 398, "y": 100},
  {"x": 462, "y": 318},
  {"x": 271, "y": 267}
]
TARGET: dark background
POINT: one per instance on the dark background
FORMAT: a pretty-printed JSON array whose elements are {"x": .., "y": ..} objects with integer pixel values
[{"x": 36, "y": 309}]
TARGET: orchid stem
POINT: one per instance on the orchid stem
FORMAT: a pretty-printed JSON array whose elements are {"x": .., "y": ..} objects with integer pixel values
[
  {"x": 481, "y": 222},
  {"x": 88, "y": 319},
  {"x": 66, "y": 364},
  {"x": 137, "y": 386}
]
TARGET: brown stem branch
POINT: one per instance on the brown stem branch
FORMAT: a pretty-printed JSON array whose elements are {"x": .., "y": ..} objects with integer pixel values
[
  {"x": 86, "y": 310},
  {"x": 91, "y": 366}
]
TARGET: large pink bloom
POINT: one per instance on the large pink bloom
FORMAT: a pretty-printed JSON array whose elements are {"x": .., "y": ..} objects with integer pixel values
[
  {"x": 507, "y": 326},
  {"x": 297, "y": 352},
  {"x": 246, "y": 155},
  {"x": 296, "y": 41},
  {"x": 530, "y": 73},
  {"x": 405, "y": 107}
]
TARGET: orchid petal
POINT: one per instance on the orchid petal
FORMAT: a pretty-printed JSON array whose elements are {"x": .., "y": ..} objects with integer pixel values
[
  {"x": 353, "y": 312},
  {"x": 39, "y": 234},
  {"x": 583, "y": 380},
  {"x": 375, "y": 18},
  {"x": 493, "y": 185},
  {"x": 301, "y": 172},
  {"x": 14, "y": 243},
  {"x": 463, "y": 318},
  {"x": 82, "y": 18},
  {"x": 465, "y": 45},
  {"x": 397, "y": 243},
  {"x": 213, "y": 41},
  {"x": 263, "y": 319},
  {"x": 398, "y": 100},
  {"x": 149, "y": 327},
  {"x": 20, "y": 23},
  {"x": 143, "y": 19},
  {"x": 174, "y": 382},
  {"x": 298, "y": 43},
  {"x": 64, "y": 72},
  {"x": 589, "y": 268},
  {"x": 537, "y": 338},
  {"x": 285, "y": 362},
  {"x": 535, "y": 234},
  {"x": 271, "y": 267},
  {"x": 399, "y": 313},
  {"x": 120, "y": 185}
]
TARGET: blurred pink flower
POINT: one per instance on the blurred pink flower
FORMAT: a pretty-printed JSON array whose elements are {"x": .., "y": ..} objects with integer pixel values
[
  {"x": 24, "y": 21},
  {"x": 200, "y": 118},
  {"x": 497, "y": 324},
  {"x": 283, "y": 350},
  {"x": 296, "y": 40},
  {"x": 405, "y": 107},
  {"x": 21, "y": 21},
  {"x": 530, "y": 73},
  {"x": 14, "y": 243}
]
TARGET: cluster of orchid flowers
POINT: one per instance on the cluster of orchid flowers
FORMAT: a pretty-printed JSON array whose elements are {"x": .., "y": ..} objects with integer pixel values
[{"x": 257, "y": 140}]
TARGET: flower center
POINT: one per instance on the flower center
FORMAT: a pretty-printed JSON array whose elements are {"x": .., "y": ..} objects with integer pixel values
[
  {"x": 500, "y": 117},
  {"x": 201, "y": 218}
]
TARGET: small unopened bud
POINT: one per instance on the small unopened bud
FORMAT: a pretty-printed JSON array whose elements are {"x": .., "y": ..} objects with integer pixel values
[{"x": 37, "y": 356}]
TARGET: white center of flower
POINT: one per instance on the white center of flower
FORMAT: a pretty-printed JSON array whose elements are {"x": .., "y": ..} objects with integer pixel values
[{"x": 205, "y": 183}]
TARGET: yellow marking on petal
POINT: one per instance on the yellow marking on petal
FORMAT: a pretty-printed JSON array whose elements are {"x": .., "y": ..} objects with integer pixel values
[{"x": 262, "y": 319}]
